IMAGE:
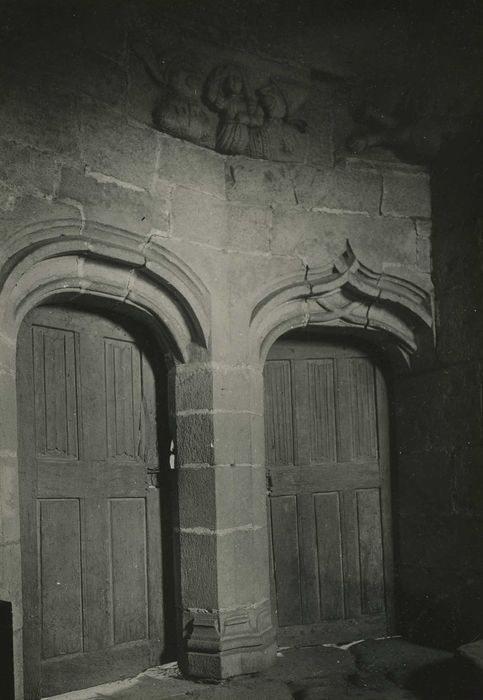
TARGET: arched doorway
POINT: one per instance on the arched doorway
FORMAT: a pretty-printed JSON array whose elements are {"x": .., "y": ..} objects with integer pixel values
[
  {"x": 327, "y": 457},
  {"x": 94, "y": 472}
]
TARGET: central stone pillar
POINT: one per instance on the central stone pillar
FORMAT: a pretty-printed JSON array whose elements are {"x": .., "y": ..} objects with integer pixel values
[{"x": 223, "y": 562}]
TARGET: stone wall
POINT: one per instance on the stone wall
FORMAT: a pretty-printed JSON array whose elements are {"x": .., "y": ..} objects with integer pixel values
[
  {"x": 95, "y": 200},
  {"x": 440, "y": 429}
]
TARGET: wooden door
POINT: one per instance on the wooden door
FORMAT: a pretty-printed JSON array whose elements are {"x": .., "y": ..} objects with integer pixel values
[
  {"x": 91, "y": 449},
  {"x": 328, "y": 478}
]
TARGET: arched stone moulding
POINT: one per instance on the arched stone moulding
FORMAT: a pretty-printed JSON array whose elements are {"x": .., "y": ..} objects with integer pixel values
[
  {"x": 57, "y": 256},
  {"x": 346, "y": 294}
]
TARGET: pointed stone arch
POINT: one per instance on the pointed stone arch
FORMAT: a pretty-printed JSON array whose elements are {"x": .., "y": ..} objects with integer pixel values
[{"x": 345, "y": 294}]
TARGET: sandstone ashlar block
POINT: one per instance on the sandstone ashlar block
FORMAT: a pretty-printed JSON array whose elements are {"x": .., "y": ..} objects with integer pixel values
[
  {"x": 198, "y": 565},
  {"x": 193, "y": 388},
  {"x": 192, "y": 166},
  {"x": 199, "y": 217},
  {"x": 9, "y": 498},
  {"x": 113, "y": 146},
  {"x": 423, "y": 253},
  {"x": 259, "y": 182},
  {"x": 8, "y": 407},
  {"x": 197, "y": 497},
  {"x": 42, "y": 116},
  {"x": 28, "y": 168},
  {"x": 248, "y": 228},
  {"x": 11, "y": 580},
  {"x": 406, "y": 194},
  {"x": 339, "y": 189},
  {"x": 232, "y": 438},
  {"x": 234, "y": 500},
  {"x": 320, "y": 237},
  {"x": 195, "y": 438},
  {"x": 108, "y": 203}
]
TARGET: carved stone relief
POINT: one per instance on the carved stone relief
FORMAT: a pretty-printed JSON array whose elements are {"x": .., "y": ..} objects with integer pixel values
[{"x": 226, "y": 109}]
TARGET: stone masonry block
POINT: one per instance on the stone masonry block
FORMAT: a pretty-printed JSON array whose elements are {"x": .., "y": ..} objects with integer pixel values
[
  {"x": 199, "y": 217},
  {"x": 319, "y": 237},
  {"x": 99, "y": 77},
  {"x": 27, "y": 168},
  {"x": 198, "y": 564},
  {"x": 233, "y": 496},
  {"x": 107, "y": 203},
  {"x": 232, "y": 433},
  {"x": 41, "y": 117},
  {"x": 339, "y": 189},
  {"x": 192, "y": 166},
  {"x": 194, "y": 389},
  {"x": 259, "y": 182},
  {"x": 406, "y": 194},
  {"x": 11, "y": 580},
  {"x": 9, "y": 520},
  {"x": 194, "y": 438},
  {"x": 423, "y": 253},
  {"x": 8, "y": 423},
  {"x": 234, "y": 389},
  {"x": 112, "y": 146},
  {"x": 29, "y": 209},
  {"x": 197, "y": 497},
  {"x": 248, "y": 228},
  {"x": 241, "y": 555}
]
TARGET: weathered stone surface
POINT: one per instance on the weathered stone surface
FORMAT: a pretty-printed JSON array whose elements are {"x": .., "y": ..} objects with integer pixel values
[
  {"x": 112, "y": 146},
  {"x": 197, "y": 497},
  {"x": 100, "y": 78},
  {"x": 423, "y": 253},
  {"x": 108, "y": 203},
  {"x": 195, "y": 440},
  {"x": 194, "y": 389},
  {"x": 198, "y": 570},
  {"x": 232, "y": 434},
  {"x": 10, "y": 520},
  {"x": 41, "y": 117},
  {"x": 340, "y": 189},
  {"x": 259, "y": 182},
  {"x": 8, "y": 423},
  {"x": 29, "y": 209},
  {"x": 28, "y": 168},
  {"x": 405, "y": 194},
  {"x": 191, "y": 166},
  {"x": 248, "y": 228},
  {"x": 10, "y": 580},
  {"x": 320, "y": 237},
  {"x": 240, "y": 554},
  {"x": 199, "y": 217}
]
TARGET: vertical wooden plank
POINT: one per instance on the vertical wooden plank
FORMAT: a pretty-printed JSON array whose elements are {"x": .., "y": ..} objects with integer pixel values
[
  {"x": 309, "y": 572},
  {"x": 370, "y": 550},
  {"x": 55, "y": 385},
  {"x": 383, "y": 433},
  {"x": 96, "y": 588},
  {"x": 350, "y": 546},
  {"x": 329, "y": 547},
  {"x": 322, "y": 411},
  {"x": 278, "y": 413},
  {"x": 356, "y": 415},
  {"x": 123, "y": 393},
  {"x": 286, "y": 560},
  {"x": 60, "y": 574},
  {"x": 301, "y": 411},
  {"x": 155, "y": 546},
  {"x": 128, "y": 568}
]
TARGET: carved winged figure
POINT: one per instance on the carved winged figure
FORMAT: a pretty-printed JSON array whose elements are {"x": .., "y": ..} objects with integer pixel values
[{"x": 179, "y": 111}]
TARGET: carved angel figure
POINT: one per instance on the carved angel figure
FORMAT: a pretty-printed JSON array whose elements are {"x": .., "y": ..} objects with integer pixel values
[
  {"x": 280, "y": 136},
  {"x": 227, "y": 93},
  {"x": 179, "y": 111}
]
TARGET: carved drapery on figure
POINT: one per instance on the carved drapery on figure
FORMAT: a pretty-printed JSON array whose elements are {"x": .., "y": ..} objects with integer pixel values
[{"x": 223, "y": 110}]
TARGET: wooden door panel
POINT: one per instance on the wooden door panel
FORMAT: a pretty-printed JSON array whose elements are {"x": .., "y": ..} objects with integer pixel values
[
  {"x": 60, "y": 577},
  {"x": 92, "y": 521},
  {"x": 325, "y": 479}
]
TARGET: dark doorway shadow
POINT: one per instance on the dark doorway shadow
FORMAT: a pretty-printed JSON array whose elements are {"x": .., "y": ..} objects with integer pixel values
[{"x": 7, "y": 688}]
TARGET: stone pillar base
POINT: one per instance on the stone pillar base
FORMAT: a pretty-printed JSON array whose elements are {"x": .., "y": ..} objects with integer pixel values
[{"x": 225, "y": 664}]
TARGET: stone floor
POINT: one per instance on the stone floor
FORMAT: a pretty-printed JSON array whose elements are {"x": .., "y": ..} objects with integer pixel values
[{"x": 386, "y": 669}]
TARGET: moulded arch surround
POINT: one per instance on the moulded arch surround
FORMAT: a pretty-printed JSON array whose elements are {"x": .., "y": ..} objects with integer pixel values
[
  {"x": 346, "y": 294},
  {"x": 158, "y": 281}
]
